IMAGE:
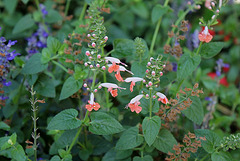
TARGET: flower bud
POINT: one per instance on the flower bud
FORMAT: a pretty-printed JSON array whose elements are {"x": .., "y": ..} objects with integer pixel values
[
  {"x": 161, "y": 73},
  {"x": 153, "y": 73},
  {"x": 146, "y": 85},
  {"x": 148, "y": 63},
  {"x": 87, "y": 53},
  {"x": 95, "y": 90},
  {"x": 151, "y": 58},
  {"x": 99, "y": 87},
  {"x": 85, "y": 85},
  {"x": 106, "y": 38},
  {"x": 150, "y": 83},
  {"x": 98, "y": 65},
  {"x": 213, "y": 4},
  {"x": 85, "y": 64},
  {"x": 88, "y": 89},
  {"x": 144, "y": 81},
  {"x": 90, "y": 57},
  {"x": 93, "y": 45},
  {"x": 103, "y": 68},
  {"x": 93, "y": 35},
  {"x": 147, "y": 95},
  {"x": 164, "y": 66},
  {"x": 91, "y": 66},
  {"x": 98, "y": 56},
  {"x": 154, "y": 96},
  {"x": 88, "y": 35},
  {"x": 213, "y": 17},
  {"x": 147, "y": 71},
  {"x": 217, "y": 11}
]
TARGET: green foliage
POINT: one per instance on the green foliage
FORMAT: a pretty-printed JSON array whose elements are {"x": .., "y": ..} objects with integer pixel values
[
  {"x": 165, "y": 141},
  {"x": 129, "y": 139},
  {"x": 103, "y": 124},
  {"x": 65, "y": 120},
  {"x": 211, "y": 49},
  {"x": 195, "y": 111},
  {"x": 4, "y": 126},
  {"x": 145, "y": 158},
  {"x": 221, "y": 156},
  {"x": 151, "y": 127},
  {"x": 70, "y": 86},
  {"x": 158, "y": 11},
  {"x": 23, "y": 24}
]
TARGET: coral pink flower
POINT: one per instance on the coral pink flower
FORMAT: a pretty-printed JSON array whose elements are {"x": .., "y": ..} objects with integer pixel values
[
  {"x": 205, "y": 35},
  {"x": 92, "y": 105},
  {"x": 134, "y": 104},
  {"x": 117, "y": 68},
  {"x": 110, "y": 87},
  {"x": 133, "y": 80},
  {"x": 162, "y": 98}
]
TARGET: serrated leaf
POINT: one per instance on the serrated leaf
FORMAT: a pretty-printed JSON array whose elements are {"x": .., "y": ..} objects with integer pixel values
[
  {"x": 23, "y": 24},
  {"x": 46, "y": 56},
  {"x": 187, "y": 64},
  {"x": 4, "y": 126},
  {"x": 165, "y": 141},
  {"x": 151, "y": 127},
  {"x": 34, "y": 65},
  {"x": 211, "y": 49},
  {"x": 129, "y": 139},
  {"x": 45, "y": 86},
  {"x": 158, "y": 11},
  {"x": 104, "y": 124},
  {"x": 53, "y": 44},
  {"x": 212, "y": 139},
  {"x": 145, "y": 158},
  {"x": 195, "y": 111},
  {"x": 221, "y": 156},
  {"x": 70, "y": 87},
  {"x": 65, "y": 120},
  {"x": 123, "y": 48}
]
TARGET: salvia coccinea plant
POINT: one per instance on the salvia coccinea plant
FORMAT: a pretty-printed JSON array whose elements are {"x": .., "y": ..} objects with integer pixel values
[{"x": 109, "y": 98}]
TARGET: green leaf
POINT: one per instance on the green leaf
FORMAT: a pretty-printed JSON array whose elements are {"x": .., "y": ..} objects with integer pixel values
[
  {"x": 129, "y": 139},
  {"x": 23, "y": 24},
  {"x": 84, "y": 153},
  {"x": 195, "y": 111},
  {"x": 212, "y": 139},
  {"x": 158, "y": 11},
  {"x": 138, "y": 68},
  {"x": 211, "y": 49},
  {"x": 104, "y": 124},
  {"x": 151, "y": 127},
  {"x": 165, "y": 141},
  {"x": 65, "y": 120},
  {"x": 140, "y": 9},
  {"x": 221, "y": 156},
  {"x": 187, "y": 64},
  {"x": 34, "y": 65},
  {"x": 79, "y": 73},
  {"x": 25, "y": 1},
  {"x": 53, "y": 16},
  {"x": 45, "y": 86},
  {"x": 18, "y": 153},
  {"x": 10, "y": 5},
  {"x": 123, "y": 48},
  {"x": 145, "y": 158},
  {"x": 4, "y": 126},
  {"x": 122, "y": 154},
  {"x": 53, "y": 44},
  {"x": 55, "y": 158},
  {"x": 46, "y": 56},
  {"x": 145, "y": 106},
  {"x": 9, "y": 141},
  {"x": 70, "y": 87}
]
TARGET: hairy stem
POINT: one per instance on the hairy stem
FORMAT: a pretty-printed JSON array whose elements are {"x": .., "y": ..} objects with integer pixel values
[{"x": 150, "y": 104}]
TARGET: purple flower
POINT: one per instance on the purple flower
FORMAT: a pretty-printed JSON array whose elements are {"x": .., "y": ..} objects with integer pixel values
[
  {"x": 37, "y": 41},
  {"x": 174, "y": 66},
  {"x": 208, "y": 99},
  {"x": 5, "y": 57},
  {"x": 43, "y": 10},
  {"x": 219, "y": 66},
  {"x": 195, "y": 39}
]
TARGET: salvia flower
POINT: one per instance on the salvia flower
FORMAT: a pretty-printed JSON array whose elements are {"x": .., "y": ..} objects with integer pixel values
[
  {"x": 5, "y": 57},
  {"x": 133, "y": 80},
  {"x": 219, "y": 66},
  {"x": 162, "y": 98},
  {"x": 37, "y": 41},
  {"x": 92, "y": 105},
  {"x": 111, "y": 87},
  {"x": 205, "y": 36},
  {"x": 134, "y": 104},
  {"x": 43, "y": 10}
]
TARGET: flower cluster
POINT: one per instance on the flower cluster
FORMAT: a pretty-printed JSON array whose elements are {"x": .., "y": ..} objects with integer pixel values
[
  {"x": 231, "y": 142},
  {"x": 169, "y": 112},
  {"x": 176, "y": 49},
  {"x": 37, "y": 41},
  {"x": 5, "y": 57},
  {"x": 182, "y": 151}
]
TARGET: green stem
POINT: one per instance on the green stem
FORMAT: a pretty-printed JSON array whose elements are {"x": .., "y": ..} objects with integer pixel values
[
  {"x": 150, "y": 104},
  {"x": 205, "y": 157},
  {"x": 200, "y": 45},
  {"x": 37, "y": 3},
  {"x": 67, "y": 8},
  {"x": 76, "y": 136},
  {"x": 83, "y": 11},
  {"x": 105, "y": 81},
  {"x": 110, "y": 52},
  {"x": 156, "y": 31},
  {"x": 60, "y": 65}
]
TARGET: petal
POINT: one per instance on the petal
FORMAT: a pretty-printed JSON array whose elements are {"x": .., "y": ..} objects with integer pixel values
[
  {"x": 134, "y": 79},
  {"x": 91, "y": 99},
  {"x": 137, "y": 98},
  {"x": 119, "y": 77},
  {"x": 112, "y": 59},
  {"x": 122, "y": 68}
]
